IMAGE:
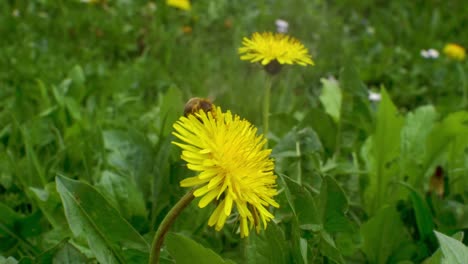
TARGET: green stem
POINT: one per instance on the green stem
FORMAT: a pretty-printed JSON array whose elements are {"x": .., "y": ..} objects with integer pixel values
[
  {"x": 166, "y": 224},
  {"x": 299, "y": 162},
  {"x": 463, "y": 84},
  {"x": 266, "y": 105}
]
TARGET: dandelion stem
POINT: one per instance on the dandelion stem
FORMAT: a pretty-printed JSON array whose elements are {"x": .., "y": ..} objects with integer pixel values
[
  {"x": 266, "y": 106},
  {"x": 166, "y": 224}
]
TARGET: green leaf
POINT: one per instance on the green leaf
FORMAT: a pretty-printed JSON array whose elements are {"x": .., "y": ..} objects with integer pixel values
[
  {"x": 64, "y": 252},
  {"x": 382, "y": 235},
  {"x": 446, "y": 144},
  {"x": 91, "y": 216},
  {"x": 125, "y": 196},
  {"x": 423, "y": 214},
  {"x": 323, "y": 125},
  {"x": 50, "y": 204},
  {"x": 73, "y": 108},
  {"x": 303, "y": 205},
  {"x": 453, "y": 251},
  {"x": 267, "y": 247},
  {"x": 381, "y": 153},
  {"x": 186, "y": 251},
  {"x": 328, "y": 248},
  {"x": 297, "y": 153},
  {"x": 9, "y": 260},
  {"x": 331, "y": 98},
  {"x": 171, "y": 108},
  {"x": 15, "y": 228},
  {"x": 130, "y": 152},
  {"x": 436, "y": 258},
  {"x": 418, "y": 125},
  {"x": 76, "y": 75}
]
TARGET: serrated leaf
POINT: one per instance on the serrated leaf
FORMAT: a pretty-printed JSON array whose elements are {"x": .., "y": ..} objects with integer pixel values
[
  {"x": 381, "y": 153},
  {"x": 91, "y": 216},
  {"x": 453, "y": 251},
  {"x": 186, "y": 251},
  {"x": 331, "y": 98}
]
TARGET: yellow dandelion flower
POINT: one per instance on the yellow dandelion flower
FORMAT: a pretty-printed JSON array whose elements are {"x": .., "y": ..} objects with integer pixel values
[
  {"x": 268, "y": 47},
  {"x": 234, "y": 168},
  {"x": 182, "y": 4},
  {"x": 455, "y": 51}
]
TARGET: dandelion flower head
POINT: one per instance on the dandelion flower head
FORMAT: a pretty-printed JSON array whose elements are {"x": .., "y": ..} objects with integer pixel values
[
  {"x": 267, "y": 47},
  {"x": 234, "y": 169},
  {"x": 455, "y": 51},
  {"x": 182, "y": 4}
]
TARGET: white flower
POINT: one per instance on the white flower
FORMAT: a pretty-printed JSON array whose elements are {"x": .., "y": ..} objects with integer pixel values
[
  {"x": 374, "y": 97},
  {"x": 281, "y": 26},
  {"x": 430, "y": 54}
]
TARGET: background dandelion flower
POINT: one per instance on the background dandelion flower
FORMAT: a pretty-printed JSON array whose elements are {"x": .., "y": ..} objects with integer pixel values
[
  {"x": 455, "y": 51},
  {"x": 234, "y": 168},
  {"x": 182, "y": 4},
  {"x": 267, "y": 47}
]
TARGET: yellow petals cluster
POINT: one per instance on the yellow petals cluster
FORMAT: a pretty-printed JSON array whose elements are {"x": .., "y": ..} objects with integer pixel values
[
  {"x": 268, "y": 47},
  {"x": 455, "y": 51},
  {"x": 234, "y": 170},
  {"x": 182, "y": 4}
]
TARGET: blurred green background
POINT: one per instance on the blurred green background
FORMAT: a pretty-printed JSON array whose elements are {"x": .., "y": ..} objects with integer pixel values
[{"x": 91, "y": 90}]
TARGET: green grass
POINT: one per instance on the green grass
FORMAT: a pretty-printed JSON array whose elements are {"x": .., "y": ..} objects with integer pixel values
[{"x": 90, "y": 93}]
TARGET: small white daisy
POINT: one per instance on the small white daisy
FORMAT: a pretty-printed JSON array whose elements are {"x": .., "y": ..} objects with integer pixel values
[
  {"x": 430, "y": 54},
  {"x": 374, "y": 97},
  {"x": 281, "y": 26}
]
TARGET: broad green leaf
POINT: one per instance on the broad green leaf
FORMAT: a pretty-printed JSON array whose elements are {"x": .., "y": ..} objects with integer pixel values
[
  {"x": 50, "y": 204},
  {"x": 381, "y": 153},
  {"x": 331, "y": 98},
  {"x": 91, "y": 216},
  {"x": 267, "y": 247},
  {"x": 64, "y": 252},
  {"x": 334, "y": 204},
  {"x": 328, "y": 248},
  {"x": 418, "y": 125},
  {"x": 303, "y": 205},
  {"x": 436, "y": 258},
  {"x": 453, "y": 251},
  {"x": 355, "y": 109},
  {"x": 124, "y": 195},
  {"x": 186, "y": 251},
  {"x": 323, "y": 125},
  {"x": 382, "y": 235},
  {"x": 130, "y": 152}
]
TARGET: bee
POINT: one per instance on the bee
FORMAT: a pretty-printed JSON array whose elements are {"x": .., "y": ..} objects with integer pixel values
[{"x": 196, "y": 104}]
